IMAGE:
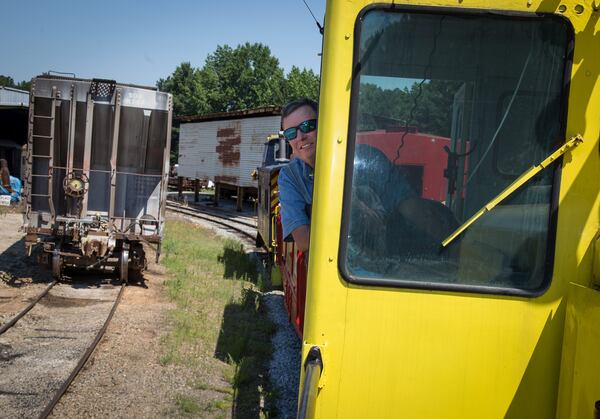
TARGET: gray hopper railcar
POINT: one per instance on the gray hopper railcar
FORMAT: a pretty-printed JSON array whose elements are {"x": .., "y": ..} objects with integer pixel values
[{"x": 97, "y": 171}]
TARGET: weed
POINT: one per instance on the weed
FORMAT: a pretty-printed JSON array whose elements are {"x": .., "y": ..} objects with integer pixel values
[{"x": 187, "y": 405}]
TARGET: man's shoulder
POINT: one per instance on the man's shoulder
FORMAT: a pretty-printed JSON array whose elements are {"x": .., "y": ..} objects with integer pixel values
[{"x": 294, "y": 165}]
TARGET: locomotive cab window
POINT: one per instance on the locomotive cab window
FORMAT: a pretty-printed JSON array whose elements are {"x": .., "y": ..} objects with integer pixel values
[{"x": 447, "y": 111}]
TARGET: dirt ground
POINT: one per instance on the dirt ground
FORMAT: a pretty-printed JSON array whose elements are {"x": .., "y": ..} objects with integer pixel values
[
  {"x": 124, "y": 376},
  {"x": 20, "y": 279}
]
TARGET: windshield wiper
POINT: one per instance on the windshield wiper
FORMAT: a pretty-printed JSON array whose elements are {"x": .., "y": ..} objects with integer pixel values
[{"x": 520, "y": 181}]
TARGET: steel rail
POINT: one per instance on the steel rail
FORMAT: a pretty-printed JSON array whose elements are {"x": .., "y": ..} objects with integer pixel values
[
  {"x": 65, "y": 385},
  {"x": 213, "y": 213},
  {"x": 18, "y": 317},
  {"x": 210, "y": 218},
  {"x": 210, "y": 214}
]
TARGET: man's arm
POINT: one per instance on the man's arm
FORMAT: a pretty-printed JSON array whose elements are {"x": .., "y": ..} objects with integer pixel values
[
  {"x": 294, "y": 219},
  {"x": 301, "y": 236}
]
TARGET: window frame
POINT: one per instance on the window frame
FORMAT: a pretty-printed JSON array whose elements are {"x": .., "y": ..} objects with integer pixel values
[{"x": 395, "y": 283}]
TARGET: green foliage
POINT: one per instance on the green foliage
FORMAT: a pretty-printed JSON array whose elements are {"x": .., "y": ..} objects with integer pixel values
[
  {"x": 247, "y": 76},
  {"x": 427, "y": 106},
  {"x": 9, "y": 82},
  {"x": 186, "y": 85},
  {"x": 187, "y": 405},
  {"x": 301, "y": 83}
]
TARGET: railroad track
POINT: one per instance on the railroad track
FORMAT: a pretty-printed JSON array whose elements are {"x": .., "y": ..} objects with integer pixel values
[
  {"x": 221, "y": 211},
  {"x": 43, "y": 348},
  {"x": 244, "y": 226}
]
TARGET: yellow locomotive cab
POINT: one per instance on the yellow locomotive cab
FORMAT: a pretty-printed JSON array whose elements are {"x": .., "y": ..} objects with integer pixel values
[{"x": 423, "y": 299}]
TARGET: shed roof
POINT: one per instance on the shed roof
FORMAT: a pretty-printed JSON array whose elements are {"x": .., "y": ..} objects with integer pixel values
[
  {"x": 10, "y": 97},
  {"x": 244, "y": 113}
]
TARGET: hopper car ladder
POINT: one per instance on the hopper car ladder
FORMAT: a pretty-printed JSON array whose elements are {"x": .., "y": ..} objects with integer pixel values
[{"x": 33, "y": 139}]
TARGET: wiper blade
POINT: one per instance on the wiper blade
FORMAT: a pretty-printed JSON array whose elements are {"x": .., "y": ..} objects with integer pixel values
[{"x": 520, "y": 181}]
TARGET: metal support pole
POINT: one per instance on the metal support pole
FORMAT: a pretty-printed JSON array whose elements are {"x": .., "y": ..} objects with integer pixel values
[
  {"x": 196, "y": 190},
  {"x": 240, "y": 199},
  {"x": 87, "y": 149},
  {"x": 113, "y": 158},
  {"x": 51, "y": 153}
]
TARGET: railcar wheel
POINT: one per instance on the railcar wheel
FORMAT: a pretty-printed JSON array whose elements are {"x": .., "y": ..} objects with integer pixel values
[
  {"x": 57, "y": 264},
  {"x": 124, "y": 266}
]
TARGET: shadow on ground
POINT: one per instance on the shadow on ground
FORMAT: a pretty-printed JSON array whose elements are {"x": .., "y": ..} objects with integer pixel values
[
  {"x": 17, "y": 269},
  {"x": 245, "y": 334},
  {"x": 245, "y": 341},
  {"x": 239, "y": 265}
]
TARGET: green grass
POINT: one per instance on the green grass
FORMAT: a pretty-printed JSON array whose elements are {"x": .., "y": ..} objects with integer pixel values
[
  {"x": 187, "y": 406},
  {"x": 220, "y": 329}
]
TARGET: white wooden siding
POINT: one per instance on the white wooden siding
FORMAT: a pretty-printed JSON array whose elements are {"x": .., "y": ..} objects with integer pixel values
[{"x": 198, "y": 145}]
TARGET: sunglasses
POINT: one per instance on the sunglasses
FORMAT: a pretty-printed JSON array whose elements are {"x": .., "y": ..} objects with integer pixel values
[{"x": 292, "y": 132}]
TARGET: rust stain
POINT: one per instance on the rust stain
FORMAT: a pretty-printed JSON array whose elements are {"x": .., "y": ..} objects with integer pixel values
[{"x": 228, "y": 141}]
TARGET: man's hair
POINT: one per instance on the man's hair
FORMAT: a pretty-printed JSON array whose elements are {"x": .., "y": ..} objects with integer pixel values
[{"x": 297, "y": 104}]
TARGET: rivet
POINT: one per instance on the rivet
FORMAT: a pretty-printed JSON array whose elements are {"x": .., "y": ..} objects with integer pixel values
[
  {"x": 588, "y": 73},
  {"x": 330, "y": 259},
  {"x": 529, "y": 3},
  {"x": 339, "y": 140},
  {"x": 347, "y": 36}
]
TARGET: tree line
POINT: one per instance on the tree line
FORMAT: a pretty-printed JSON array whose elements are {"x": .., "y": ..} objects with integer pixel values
[
  {"x": 247, "y": 76},
  {"x": 7, "y": 81},
  {"x": 425, "y": 105}
]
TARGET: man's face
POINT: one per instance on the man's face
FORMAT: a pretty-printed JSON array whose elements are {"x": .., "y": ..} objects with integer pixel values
[{"x": 304, "y": 145}]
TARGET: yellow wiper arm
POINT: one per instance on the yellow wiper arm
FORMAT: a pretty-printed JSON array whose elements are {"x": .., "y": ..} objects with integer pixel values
[{"x": 520, "y": 181}]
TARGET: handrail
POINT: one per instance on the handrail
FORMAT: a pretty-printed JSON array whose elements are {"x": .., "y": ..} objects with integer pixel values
[{"x": 312, "y": 372}]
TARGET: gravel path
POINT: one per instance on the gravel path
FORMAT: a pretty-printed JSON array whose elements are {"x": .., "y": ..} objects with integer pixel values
[
  {"x": 41, "y": 350},
  {"x": 284, "y": 369}
]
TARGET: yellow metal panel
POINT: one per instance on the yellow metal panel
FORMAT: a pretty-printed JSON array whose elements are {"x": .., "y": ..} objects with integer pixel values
[
  {"x": 580, "y": 370},
  {"x": 418, "y": 354}
]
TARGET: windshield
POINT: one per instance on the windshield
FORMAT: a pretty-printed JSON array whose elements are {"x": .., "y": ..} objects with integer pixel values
[{"x": 447, "y": 111}]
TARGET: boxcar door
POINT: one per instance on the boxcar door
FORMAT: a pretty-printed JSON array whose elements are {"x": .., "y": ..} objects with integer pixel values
[{"x": 412, "y": 321}]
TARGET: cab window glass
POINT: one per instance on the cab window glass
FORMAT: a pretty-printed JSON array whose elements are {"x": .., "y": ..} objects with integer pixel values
[{"x": 447, "y": 111}]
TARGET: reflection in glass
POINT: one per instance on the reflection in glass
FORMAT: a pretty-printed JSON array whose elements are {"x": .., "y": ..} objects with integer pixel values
[{"x": 448, "y": 111}]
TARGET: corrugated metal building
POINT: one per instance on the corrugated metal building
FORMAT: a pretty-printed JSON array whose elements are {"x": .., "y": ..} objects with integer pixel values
[
  {"x": 226, "y": 147},
  {"x": 14, "y": 109},
  {"x": 10, "y": 97}
]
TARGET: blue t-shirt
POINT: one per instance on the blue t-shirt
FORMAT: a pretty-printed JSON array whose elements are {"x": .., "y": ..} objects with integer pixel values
[
  {"x": 295, "y": 194},
  {"x": 15, "y": 185}
]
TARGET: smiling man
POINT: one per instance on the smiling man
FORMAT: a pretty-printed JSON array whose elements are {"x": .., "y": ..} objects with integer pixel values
[{"x": 299, "y": 127}]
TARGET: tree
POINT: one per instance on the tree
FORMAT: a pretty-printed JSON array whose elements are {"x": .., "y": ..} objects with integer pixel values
[
  {"x": 9, "y": 82},
  {"x": 301, "y": 83},
  {"x": 426, "y": 106},
  {"x": 245, "y": 77},
  {"x": 186, "y": 86},
  {"x": 6, "y": 81},
  {"x": 24, "y": 85}
]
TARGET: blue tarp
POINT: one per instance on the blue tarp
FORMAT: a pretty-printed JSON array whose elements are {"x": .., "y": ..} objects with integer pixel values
[{"x": 15, "y": 185}]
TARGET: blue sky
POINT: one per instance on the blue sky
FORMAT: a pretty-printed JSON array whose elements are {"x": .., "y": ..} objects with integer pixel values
[{"x": 141, "y": 41}]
